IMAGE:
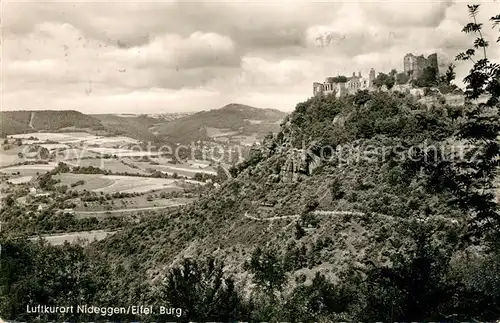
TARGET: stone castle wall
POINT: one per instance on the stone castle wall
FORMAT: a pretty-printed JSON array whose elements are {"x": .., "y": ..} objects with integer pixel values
[
  {"x": 415, "y": 65},
  {"x": 341, "y": 88}
]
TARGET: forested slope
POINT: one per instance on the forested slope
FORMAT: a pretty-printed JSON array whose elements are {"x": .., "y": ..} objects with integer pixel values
[{"x": 13, "y": 122}]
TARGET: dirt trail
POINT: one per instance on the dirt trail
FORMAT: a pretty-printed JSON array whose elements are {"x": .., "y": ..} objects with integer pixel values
[
  {"x": 296, "y": 216},
  {"x": 32, "y": 116},
  {"x": 89, "y": 214}
]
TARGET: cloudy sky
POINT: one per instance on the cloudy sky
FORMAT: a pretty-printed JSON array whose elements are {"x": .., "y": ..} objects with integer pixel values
[{"x": 171, "y": 56}]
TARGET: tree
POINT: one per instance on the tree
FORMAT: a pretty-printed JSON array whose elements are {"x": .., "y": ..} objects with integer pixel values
[
  {"x": 36, "y": 273},
  {"x": 480, "y": 129},
  {"x": 449, "y": 75},
  {"x": 339, "y": 79},
  {"x": 414, "y": 287},
  {"x": 222, "y": 174},
  {"x": 319, "y": 301},
  {"x": 445, "y": 86},
  {"x": 299, "y": 231},
  {"x": 402, "y": 78},
  {"x": 268, "y": 269},
  {"x": 384, "y": 79},
  {"x": 202, "y": 291}
]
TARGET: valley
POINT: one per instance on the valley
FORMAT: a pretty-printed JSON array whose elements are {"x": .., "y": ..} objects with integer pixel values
[
  {"x": 56, "y": 183},
  {"x": 67, "y": 174}
]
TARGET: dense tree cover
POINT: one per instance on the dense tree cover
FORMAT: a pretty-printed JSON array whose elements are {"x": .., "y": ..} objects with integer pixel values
[
  {"x": 34, "y": 273},
  {"x": 202, "y": 291},
  {"x": 339, "y": 79},
  {"x": 137, "y": 127},
  {"x": 254, "y": 158},
  {"x": 13, "y": 122},
  {"x": 334, "y": 121},
  {"x": 419, "y": 286},
  {"x": 471, "y": 178},
  {"x": 384, "y": 79},
  {"x": 232, "y": 117}
]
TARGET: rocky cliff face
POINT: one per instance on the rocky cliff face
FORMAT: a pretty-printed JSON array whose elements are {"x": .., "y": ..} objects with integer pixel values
[{"x": 299, "y": 162}]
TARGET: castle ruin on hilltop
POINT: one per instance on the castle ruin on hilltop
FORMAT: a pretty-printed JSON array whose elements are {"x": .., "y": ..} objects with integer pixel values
[
  {"x": 341, "y": 85},
  {"x": 414, "y": 65}
]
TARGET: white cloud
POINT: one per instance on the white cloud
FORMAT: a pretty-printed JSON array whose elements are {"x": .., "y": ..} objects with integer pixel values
[
  {"x": 173, "y": 51},
  {"x": 119, "y": 56}
]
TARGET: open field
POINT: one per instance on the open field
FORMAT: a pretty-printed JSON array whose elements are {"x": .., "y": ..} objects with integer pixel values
[
  {"x": 112, "y": 165},
  {"x": 148, "y": 199},
  {"x": 92, "y": 182},
  {"x": 63, "y": 137},
  {"x": 180, "y": 169},
  {"x": 53, "y": 146},
  {"x": 132, "y": 184},
  {"x": 20, "y": 180},
  {"x": 156, "y": 205},
  {"x": 123, "y": 184},
  {"x": 10, "y": 156},
  {"x": 246, "y": 140},
  {"x": 29, "y": 170},
  {"x": 75, "y": 237},
  {"x": 218, "y": 132},
  {"x": 111, "y": 141},
  {"x": 76, "y": 137},
  {"x": 75, "y": 153},
  {"x": 9, "y": 159},
  {"x": 121, "y": 152}
]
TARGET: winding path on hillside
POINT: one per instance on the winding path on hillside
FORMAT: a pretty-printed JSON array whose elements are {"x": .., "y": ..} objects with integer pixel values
[
  {"x": 296, "y": 216},
  {"x": 89, "y": 214},
  {"x": 331, "y": 213}
]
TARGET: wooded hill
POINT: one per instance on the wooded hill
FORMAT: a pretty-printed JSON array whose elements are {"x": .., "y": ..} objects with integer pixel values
[
  {"x": 14, "y": 122},
  {"x": 232, "y": 117}
]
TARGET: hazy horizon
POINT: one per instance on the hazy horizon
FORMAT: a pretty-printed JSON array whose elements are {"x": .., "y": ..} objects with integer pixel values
[
  {"x": 141, "y": 112},
  {"x": 167, "y": 57}
]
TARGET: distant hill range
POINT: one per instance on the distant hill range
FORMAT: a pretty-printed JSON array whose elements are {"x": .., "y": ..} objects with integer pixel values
[
  {"x": 231, "y": 120},
  {"x": 14, "y": 122}
]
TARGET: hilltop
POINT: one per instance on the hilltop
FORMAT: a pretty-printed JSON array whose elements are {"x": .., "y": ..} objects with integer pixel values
[
  {"x": 14, "y": 122},
  {"x": 232, "y": 120}
]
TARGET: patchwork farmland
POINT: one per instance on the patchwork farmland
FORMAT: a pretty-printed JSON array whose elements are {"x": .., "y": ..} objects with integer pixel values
[{"x": 76, "y": 186}]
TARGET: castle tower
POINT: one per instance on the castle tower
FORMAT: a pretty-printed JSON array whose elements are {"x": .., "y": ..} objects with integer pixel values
[
  {"x": 359, "y": 74},
  {"x": 371, "y": 77}
]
